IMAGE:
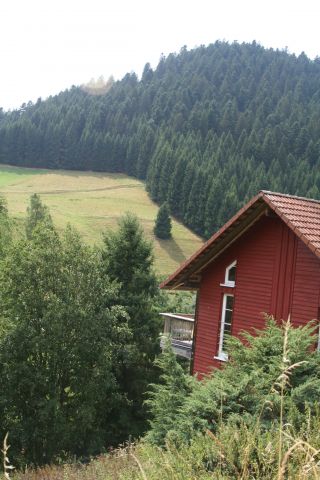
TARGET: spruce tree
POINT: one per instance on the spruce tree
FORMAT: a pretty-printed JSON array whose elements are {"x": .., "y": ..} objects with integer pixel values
[
  {"x": 162, "y": 228},
  {"x": 127, "y": 258}
]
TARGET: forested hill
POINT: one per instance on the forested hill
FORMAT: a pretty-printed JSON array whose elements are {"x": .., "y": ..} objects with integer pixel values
[{"x": 207, "y": 129}]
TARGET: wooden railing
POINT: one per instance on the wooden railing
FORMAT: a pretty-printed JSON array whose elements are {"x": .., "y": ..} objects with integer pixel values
[{"x": 179, "y": 327}]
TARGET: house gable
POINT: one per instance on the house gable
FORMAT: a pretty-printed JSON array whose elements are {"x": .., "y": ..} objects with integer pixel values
[
  {"x": 274, "y": 243},
  {"x": 301, "y": 215},
  {"x": 256, "y": 256},
  {"x": 276, "y": 275}
]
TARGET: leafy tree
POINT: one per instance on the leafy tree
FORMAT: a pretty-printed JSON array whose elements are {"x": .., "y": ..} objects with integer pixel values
[
  {"x": 178, "y": 301},
  {"x": 5, "y": 227},
  {"x": 127, "y": 258},
  {"x": 162, "y": 228},
  {"x": 63, "y": 332},
  {"x": 36, "y": 213}
]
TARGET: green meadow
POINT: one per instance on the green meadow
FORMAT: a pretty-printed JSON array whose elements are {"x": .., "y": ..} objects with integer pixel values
[{"x": 93, "y": 202}]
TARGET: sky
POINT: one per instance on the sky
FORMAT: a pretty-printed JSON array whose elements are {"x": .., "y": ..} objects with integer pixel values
[{"x": 49, "y": 45}]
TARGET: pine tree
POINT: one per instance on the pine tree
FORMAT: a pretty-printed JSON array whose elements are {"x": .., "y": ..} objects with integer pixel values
[{"x": 162, "y": 228}]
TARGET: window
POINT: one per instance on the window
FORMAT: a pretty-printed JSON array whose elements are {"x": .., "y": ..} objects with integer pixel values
[
  {"x": 230, "y": 275},
  {"x": 226, "y": 323}
]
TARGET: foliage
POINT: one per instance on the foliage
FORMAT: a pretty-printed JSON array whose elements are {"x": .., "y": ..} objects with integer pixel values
[
  {"x": 236, "y": 452},
  {"x": 207, "y": 128},
  {"x": 177, "y": 301},
  {"x": 127, "y": 258},
  {"x": 92, "y": 201},
  {"x": 248, "y": 387},
  {"x": 162, "y": 228},
  {"x": 243, "y": 444},
  {"x": 63, "y": 331},
  {"x": 36, "y": 213},
  {"x": 167, "y": 397},
  {"x": 5, "y": 227}
]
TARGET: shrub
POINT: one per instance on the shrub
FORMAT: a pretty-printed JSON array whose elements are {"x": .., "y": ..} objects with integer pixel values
[{"x": 246, "y": 388}]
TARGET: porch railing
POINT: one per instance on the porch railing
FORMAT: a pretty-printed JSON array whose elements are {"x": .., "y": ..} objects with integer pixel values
[{"x": 179, "y": 327}]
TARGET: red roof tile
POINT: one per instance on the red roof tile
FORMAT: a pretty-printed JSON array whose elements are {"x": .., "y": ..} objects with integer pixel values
[{"x": 302, "y": 215}]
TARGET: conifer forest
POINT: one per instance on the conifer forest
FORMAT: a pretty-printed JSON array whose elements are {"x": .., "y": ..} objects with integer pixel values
[{"x": 207, "y": 129}]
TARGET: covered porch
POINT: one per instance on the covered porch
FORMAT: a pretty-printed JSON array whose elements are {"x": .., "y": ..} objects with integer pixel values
[{"x": 179, "y": 327}]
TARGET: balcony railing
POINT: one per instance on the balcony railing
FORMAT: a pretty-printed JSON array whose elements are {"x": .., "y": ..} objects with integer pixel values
[{"x": 179, "y": 327}]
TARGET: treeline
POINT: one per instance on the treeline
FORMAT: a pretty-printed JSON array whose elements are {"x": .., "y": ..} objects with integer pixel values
[
  {"x": 206, "y": 129},
  {"x": 79, "y": 331}
]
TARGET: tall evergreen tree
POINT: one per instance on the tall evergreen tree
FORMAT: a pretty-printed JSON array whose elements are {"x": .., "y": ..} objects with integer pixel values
[
  {"x": 162, "y": 228},
  {"x": 127, "y": 258}
]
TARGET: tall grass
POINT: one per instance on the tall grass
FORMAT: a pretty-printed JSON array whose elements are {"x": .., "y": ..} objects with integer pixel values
[
  {"x": 239, "y": 449},
  {"x": 145, "y": 462}
]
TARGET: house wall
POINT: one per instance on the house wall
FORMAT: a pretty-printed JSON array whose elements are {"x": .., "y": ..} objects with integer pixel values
[
  {"x": 276, "y": 274},
  {"x": 306, "y": 291}
]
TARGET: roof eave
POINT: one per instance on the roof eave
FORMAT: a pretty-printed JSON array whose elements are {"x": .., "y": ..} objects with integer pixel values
[
  {"x": 178, "y": 280},
  {"x": 292, "y": 227},
  {"x": 188, "y": 275}
]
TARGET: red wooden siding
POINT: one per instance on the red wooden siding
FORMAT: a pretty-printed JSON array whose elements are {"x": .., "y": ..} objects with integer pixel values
[
  {"x": 276, "y": 274},
  {"x": 305, "y": 298},
  {"x": 256, "y": 255}
]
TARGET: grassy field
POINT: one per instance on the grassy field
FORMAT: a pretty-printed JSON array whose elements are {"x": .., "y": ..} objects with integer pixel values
[{"x": 93, "y": 202}]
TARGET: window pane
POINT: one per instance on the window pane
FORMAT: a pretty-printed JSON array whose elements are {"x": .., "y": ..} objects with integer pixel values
[
  {"x": 229, "y": 303},
  {"x": 227, "y": 328},
  {"x": 228, "y": 316},
  {"x": 226, "y": 322},
  {"x": 232, "y": 274}
]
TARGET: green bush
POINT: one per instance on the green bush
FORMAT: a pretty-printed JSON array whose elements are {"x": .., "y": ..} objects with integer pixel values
[
  {"x": 248, "y": 386},
  {"x": 248, "y": 418}
]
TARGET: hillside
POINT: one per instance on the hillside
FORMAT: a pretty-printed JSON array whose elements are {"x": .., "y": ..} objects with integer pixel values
[
  {"x": 92, "y": 202},
  {"x": 207, "y": 129}
]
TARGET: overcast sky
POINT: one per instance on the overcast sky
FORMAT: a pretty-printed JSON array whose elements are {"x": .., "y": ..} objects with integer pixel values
[{"x": 48, "y": 45}]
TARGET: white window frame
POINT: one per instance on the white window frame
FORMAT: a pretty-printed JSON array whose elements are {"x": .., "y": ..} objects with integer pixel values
[
  {"x": 227, "y": 282},
  {"x": 223, "y": 356}
]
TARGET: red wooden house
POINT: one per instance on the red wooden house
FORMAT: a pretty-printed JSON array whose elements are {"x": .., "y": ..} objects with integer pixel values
[{"x": 266, "y": 259}]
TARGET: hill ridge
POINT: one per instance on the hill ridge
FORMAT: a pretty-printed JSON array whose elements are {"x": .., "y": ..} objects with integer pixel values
[{"x": 207, "y": 129}]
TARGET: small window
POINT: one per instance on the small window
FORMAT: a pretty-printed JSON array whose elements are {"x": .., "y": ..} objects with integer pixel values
[
  {"x": 226, "y": 324},
  {"x": 230, "y": 275}
]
